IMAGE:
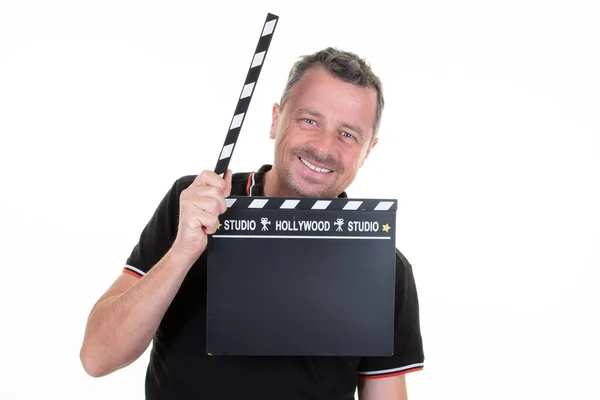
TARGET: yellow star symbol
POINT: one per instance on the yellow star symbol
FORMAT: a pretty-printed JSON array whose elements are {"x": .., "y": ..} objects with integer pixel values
[
  {"x": 219, "y": 225},
  {"x": 386, "y": 228}
]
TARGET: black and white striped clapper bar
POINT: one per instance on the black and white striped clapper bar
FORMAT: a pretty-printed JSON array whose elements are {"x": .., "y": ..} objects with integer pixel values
[
  {"x": 300, "y": 276},
  {"x": 245, "y": 98}
]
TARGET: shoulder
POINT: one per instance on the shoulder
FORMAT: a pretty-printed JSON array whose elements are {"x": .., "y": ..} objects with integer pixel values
[
  {"x": 401, "y": 261},
  {"x": 183, "y": 182},
  {"x": 405, "y": 279},
  {"x": 239, "y": 183}
]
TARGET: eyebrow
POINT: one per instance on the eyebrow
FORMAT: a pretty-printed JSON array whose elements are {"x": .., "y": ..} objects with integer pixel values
[{"x": 315, "y": 113}]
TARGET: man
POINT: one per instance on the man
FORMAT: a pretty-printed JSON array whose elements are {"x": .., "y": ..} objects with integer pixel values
[{"x": 324, "y": 128}]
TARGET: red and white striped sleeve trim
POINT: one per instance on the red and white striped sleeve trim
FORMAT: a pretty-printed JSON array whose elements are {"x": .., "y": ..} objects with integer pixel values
[
  {"x": 386, "y": 373},
  {"x": 133, "y": 271}
]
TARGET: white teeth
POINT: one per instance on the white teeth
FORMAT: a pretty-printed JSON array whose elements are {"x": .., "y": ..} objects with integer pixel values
[{"x": 314, "y": 168}]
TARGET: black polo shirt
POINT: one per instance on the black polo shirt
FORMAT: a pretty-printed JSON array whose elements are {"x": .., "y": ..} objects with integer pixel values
[{"x": 179, "y": 367}]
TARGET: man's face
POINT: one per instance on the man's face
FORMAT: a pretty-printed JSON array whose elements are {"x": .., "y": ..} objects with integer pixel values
[{"x": 323, "y": 135}]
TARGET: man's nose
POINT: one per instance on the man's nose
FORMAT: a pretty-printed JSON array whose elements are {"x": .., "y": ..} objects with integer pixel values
[{"x": 326, "y": 142}]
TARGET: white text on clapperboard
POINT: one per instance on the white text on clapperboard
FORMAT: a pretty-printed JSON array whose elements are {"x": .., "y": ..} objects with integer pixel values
[{"x": 265, "y": 224}]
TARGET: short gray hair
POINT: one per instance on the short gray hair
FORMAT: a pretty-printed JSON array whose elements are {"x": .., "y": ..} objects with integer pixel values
[{"x": 343, "y": 65}]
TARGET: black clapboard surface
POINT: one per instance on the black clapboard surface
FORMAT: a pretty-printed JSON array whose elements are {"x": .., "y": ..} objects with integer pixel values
[{"x": 302, "y": 277}]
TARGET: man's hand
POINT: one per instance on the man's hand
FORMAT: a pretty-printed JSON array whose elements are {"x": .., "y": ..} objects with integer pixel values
[{"x": 199, "y": 208}]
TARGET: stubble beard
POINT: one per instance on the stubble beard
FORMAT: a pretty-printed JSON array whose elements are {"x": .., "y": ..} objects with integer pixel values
[
  {"x": 298, "y": 189},
  {"x": 305, "y": 186}
]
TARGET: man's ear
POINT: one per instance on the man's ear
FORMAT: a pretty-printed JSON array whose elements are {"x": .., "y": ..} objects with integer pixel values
[
  {"x": 369, "y": 150},
  {"x": 274, "y": 121}
]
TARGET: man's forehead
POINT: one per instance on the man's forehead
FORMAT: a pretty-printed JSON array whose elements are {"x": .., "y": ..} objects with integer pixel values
[
  {"x": 319, "y": 92},
  {"x": 314, "y": 78},
  {"x": 321, "y": 84}
]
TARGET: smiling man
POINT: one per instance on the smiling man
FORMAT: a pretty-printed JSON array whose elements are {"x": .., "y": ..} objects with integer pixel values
[{"x": 324, "y": 129}]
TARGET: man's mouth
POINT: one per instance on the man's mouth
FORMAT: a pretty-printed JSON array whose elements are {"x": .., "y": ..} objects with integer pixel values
[{"x": 314, "y": 167}]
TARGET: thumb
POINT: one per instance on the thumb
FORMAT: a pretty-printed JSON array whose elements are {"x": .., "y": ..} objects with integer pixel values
[{"x": 228, "y": 176}]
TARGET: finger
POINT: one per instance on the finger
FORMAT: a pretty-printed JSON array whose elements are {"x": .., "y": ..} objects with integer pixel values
[
  {"x": 228, "y": 177},
  {"x": 209, "y": 178},
  {"x": 210, "y": 205},
  {"x": 198, "y": 194},
  {"x": 209, "y": 222},
  {"x": 194, "y": 220},
  {"x": 202, "y": 221},
  {"x": 215, "y": 193}
]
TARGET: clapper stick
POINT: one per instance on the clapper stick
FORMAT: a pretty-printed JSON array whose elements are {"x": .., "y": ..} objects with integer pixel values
[{"x": 246, "y": 96}]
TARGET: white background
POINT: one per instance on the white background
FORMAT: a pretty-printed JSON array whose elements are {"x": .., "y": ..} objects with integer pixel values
[{"x": 490, "y": 141}]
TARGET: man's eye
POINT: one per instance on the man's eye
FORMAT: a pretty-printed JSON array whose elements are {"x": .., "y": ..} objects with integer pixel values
[
  {"x": 310, "y": 121},
  {"x": 348, "y": 135}
]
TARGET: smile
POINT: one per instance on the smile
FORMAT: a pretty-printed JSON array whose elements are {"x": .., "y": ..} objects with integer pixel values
[{"x": 315, "y": 168}]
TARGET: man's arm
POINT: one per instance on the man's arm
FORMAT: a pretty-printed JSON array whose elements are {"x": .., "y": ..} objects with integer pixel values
[
  {"x": 122, "y": 323},
  {"x": 391, "y": 388},
  {"x": 384, "y": 377},
  {"x": 124, "y": 320}
]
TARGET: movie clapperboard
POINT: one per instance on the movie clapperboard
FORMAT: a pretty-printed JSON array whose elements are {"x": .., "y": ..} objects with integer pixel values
[{"x": 299, "y": 276}]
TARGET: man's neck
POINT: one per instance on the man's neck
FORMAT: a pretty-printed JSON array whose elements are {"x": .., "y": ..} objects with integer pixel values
[{"x": 271, "y": 186}]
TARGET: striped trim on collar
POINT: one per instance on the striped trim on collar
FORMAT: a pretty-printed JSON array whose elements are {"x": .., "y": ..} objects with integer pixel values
[{"x": 250, "y": 184}]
